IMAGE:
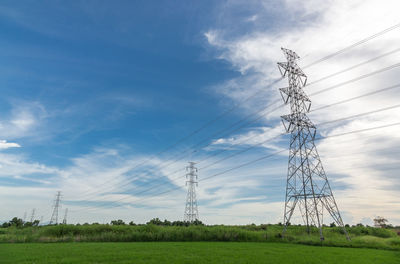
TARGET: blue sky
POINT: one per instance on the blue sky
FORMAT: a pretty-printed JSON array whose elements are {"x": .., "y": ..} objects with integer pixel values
[
  {"x": 93, "y": 88},
  {"x": 102, "y": 78}
]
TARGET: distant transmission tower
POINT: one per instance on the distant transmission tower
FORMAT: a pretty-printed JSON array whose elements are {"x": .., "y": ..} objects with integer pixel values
[
  {"x": 65, "y": 216},
  {"x": 33, "y": 215},
  {"x": 307, "y": 186},
  {"x": 191, "y": 211},
  {"x": 54, "y": 216}
]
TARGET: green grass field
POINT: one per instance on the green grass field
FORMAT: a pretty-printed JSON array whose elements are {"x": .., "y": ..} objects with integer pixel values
[
  {"x": 361, "y": 237},
  {"x": 190, "y": 252}
]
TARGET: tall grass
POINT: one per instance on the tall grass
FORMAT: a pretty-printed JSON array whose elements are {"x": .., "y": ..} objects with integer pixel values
[{"x": 361, "y": 236}]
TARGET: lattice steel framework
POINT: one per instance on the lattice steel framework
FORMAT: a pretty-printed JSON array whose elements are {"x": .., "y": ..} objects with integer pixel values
[
  {"x": 191, "y": 211},
  {"x": 56, "y": 206},
  {"x": 33, "y": 215},
  {"x": 307, "y": 186},
  {"x": 65, "y": 216}
]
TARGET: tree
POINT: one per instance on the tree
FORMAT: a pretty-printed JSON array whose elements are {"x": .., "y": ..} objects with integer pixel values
[
  {"x": 117, "y": 222},
  {"x": 380, "y": 222},
  {"x": 197, "y": 222},
  {"x": 28, "y": 224},
  {"x": 178, "y": 223},
  {"x": 155, "y": 221},
  {"x": 166, "y": 223},
  {"x": 17, "y": 222}
]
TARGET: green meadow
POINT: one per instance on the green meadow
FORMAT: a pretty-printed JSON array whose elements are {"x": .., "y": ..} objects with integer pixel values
[
  {"x": 190, "y": 252},
  {"x": 361, "y": 236}
]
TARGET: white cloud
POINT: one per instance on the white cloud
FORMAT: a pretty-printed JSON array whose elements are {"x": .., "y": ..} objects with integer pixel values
[
  {"x": 5, "y": 145},
  {"x": 25, "y": 120},
  {"x": 107, "y": 176},
  {"x": 18, "y": 165}
]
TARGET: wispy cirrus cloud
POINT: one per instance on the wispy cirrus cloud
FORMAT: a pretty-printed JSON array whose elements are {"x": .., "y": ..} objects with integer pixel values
[
  {"x": 107, "y": 182},
  {"x": 24, "y": 120}
]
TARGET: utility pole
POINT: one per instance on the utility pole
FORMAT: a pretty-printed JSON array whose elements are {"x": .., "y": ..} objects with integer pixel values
[
  {"x": 54, "y": 216},
  {"x": 191, "y": 211},
  {"x": 307, "y": 186},
  {"x": 65, "y": 216}
]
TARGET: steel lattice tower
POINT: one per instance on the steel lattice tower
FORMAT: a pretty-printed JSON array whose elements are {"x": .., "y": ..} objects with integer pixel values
[
  {"x": 307, "y": 186},
  {"x": 191, "y": 211},
  {"x": 33, "y": 215},
  {"x": 65, "y": 217},
  {"x": 54, "y": 216}
]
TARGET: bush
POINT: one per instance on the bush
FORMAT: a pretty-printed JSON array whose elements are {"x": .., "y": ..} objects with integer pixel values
[{"x": 182, "y": 231}]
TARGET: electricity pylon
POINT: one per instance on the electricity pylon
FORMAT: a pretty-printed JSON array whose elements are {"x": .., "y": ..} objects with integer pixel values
[
  {"x": 307, "y": 186},
  {"x": 54, "y": 216},
  {"x": 191, "y": 211},
  {"x": 65, "y": 217},
  {"x": 33, "y": 215}
]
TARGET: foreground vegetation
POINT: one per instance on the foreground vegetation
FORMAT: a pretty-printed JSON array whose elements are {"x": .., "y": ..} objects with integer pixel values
[
  {"x": 196, "y": 252},
  {"x": 361, "y": 236}
]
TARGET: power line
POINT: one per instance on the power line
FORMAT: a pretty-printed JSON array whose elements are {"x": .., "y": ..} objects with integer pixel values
[
  {"x": 358, "y": 97},
  {"x": 362, "y": 114},
  {"x": 235, "y": 154},
  {"x": 206, "y": 125},
  {"x": 277, "y": 80},
  {"x": 265, "y": 157},
  {"x": 323, "y": 123},
  {"x": 347, "y": 100},
  {"x": 357, "y": 79},
  {"x": 278, "y": 152},
  {"x": 354, "y": 67},
  {"x": 353, "y": 45},
  {"x": 245, "y": 164},
  {"x": 199, "y": 144},
  {"x": 341, "y": 119},
  {"x": 258, "y": 92},
  {"x": 319, "y": 92},
  {"x": 360, "y": 130}
]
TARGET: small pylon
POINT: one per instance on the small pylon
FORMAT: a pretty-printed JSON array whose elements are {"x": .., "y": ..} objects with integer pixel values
[
  {"x": 57, "y": 204},
  {"x": 191, "y": 210},
  {"x": 33, "y": 215},
  {"x": 65, "y": 217}
]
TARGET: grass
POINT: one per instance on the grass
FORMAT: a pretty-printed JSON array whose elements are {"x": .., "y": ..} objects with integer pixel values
[
  {"x": 196, "y": 244},
  {"x": 193, "y": 252},
  {"x": 362, "y": 237}
]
